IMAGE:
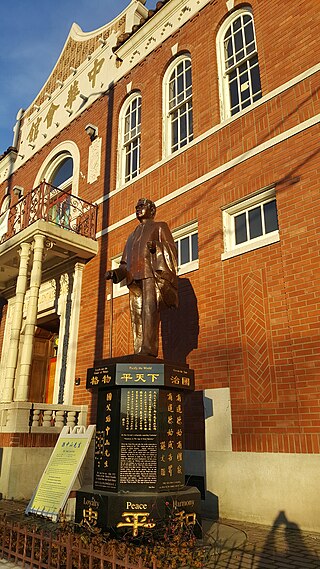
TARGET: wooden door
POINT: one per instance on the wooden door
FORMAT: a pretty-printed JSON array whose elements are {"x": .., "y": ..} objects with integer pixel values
[{"x": 43, "y": 367}]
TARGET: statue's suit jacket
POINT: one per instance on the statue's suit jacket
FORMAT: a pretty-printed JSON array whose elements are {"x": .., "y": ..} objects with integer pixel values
[{"x": 139, "y": 263}]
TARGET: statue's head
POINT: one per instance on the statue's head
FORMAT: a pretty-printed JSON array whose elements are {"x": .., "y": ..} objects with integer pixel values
[{"x": 145, "y": 209}]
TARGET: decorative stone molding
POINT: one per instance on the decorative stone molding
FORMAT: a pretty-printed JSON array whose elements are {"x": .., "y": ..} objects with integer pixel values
[
  {"x": 64, "y": 284},
  {"x": 47, "y": 296},
  {"x": 90, "y": 63},
  {"x": 230, "y": 4},
  {"x": 94, "y": 160}
]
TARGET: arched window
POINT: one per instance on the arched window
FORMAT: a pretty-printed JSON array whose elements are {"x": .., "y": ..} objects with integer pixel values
[
  {"x": 130, "y": 138},
  {"x": 238, "y": 62},
  {"x": 177, "y": 97},
  {"x": 5, "y": 204},
  {"x": 61, "y": 168},
  {"x": 62, "y": 174}
]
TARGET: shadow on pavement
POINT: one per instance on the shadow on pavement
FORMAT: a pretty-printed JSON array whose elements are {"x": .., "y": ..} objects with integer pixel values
[{"x": 283, "y": 546}]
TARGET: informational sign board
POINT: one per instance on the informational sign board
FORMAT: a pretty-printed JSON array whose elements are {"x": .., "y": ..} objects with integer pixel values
[{"x": 61, "y": 472}]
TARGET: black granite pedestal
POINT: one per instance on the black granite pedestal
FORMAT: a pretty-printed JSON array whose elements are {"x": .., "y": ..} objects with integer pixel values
[{"x": 138, "y": 464}]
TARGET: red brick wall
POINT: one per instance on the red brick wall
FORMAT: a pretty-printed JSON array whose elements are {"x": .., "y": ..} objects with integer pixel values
[{"x": 26, "y": 440}]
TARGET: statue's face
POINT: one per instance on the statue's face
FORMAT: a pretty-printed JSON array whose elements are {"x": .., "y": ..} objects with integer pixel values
[{"x": 143, "y": 211}]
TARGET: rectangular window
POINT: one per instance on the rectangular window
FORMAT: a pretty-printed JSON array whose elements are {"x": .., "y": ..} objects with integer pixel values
[
  {"x": 120, "y": 288},
  {"x": 186, "y": 240},
  {"x": 250, "y": 223}
]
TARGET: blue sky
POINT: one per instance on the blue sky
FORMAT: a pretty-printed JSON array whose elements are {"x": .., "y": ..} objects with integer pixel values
[{"x": 32, "y": 35}]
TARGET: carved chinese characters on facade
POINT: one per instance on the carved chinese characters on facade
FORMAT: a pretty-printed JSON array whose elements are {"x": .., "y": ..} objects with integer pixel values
[
  {"x": 50, "y": 114},
  {"x": 34, "y": 130},
  {"x": 72, "y": 94},
  {"x": 94, "y": 71}
]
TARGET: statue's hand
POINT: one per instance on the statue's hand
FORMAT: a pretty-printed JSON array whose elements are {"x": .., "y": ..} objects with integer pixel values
[
  {"x": 109, "y": 275},
  {"x": 152, "y": 246}
]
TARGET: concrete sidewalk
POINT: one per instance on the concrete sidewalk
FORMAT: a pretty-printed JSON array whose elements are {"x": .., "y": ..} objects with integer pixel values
[
  {"x": 232, "y": 544},
  {"x": 243, "y": 545}
]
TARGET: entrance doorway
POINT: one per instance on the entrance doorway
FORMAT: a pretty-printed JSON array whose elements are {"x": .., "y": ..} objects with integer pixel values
[{"x": 44, "y": 360}]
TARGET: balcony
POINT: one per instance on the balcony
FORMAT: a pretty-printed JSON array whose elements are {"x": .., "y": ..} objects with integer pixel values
[{"x": 68, "y": 223}]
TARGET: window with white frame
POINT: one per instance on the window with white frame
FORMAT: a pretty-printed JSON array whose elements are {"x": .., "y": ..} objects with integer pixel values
[
  {"x": 177, "y": 97},
  {"x": 186, "y": 240},
  {"x": 61, "y": 168},
  {"x": 130, "y": 138},
  {"x": 61, "y": 176},
  {"x": 120, "y": 288},
  {"x": 250, "y": 223},
  {"x": 238, "y": 61}
]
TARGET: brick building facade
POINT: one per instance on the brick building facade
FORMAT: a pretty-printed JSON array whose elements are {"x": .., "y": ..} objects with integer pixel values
[{"x": 211, "y": 109}]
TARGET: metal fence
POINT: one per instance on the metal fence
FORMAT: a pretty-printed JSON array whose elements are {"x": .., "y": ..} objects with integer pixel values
[
  {"x": 42, "y": 550},
  {"x": 53, "y": 205}
]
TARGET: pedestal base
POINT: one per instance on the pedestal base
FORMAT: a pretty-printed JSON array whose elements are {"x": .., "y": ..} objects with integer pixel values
[{"x": 137, "y": 514}]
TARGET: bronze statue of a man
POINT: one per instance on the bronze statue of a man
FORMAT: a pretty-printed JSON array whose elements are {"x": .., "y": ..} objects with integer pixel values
[{"x": 149, "y": 264}]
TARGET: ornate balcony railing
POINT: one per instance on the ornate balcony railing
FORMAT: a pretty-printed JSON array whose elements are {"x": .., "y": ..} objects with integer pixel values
[
  {"x": 55, "y": 206},
  {"x": 26, "y": 417}
]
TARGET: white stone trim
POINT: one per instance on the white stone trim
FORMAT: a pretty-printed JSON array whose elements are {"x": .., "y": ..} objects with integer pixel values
[
  {"x": 117, "y": 290},
  {"x": 252, "y": 245},
  {"x": 179, "y": 233},
  {"x": 224, "y": 95},
  {"x": 94, "y": 160},
  {"x": 218, "y": 421},
  {"x": 121, "y": 158},
  {"x": 217, "y": 171},
  {"x": 61, "y": 311},
  {"x": 5, "y": 344},
  {"x": 166, "y": 115},
  {"x": 144, "y": 41},
  {"x": 254, "y": 486},
  {"x": 60, "y": 152},
  {"x": 230, "y": 5},
  {"x": 73, "y": 334},
  {"x": 228, "y": 213}
]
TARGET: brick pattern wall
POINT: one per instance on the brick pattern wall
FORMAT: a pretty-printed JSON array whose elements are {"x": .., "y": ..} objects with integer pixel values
[{"x": 28, "y": 440}]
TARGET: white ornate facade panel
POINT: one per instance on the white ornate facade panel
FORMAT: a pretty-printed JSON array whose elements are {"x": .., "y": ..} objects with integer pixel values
[
  {"x": 94, "y": 161},
  {"x": 47, "y": 296},
  {"x": 99, "y": 70}
]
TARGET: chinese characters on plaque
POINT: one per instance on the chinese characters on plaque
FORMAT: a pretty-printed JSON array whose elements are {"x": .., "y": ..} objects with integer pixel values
[{"x": 138, "y": 465}]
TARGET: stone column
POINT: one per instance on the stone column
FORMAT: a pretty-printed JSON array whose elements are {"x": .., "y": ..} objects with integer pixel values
[
  {"x": 21, "y": 392},
  {"x": 63, "y": 304},
  {"x": 21, "y": 287},
  {"x": 73, "y": 334}
]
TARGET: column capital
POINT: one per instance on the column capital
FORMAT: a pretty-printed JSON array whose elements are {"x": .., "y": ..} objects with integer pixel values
[
  {"x": 39, "y": 240},
  {"x": 24, "y": 249},
  {"x": 79, "y": 267}
]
